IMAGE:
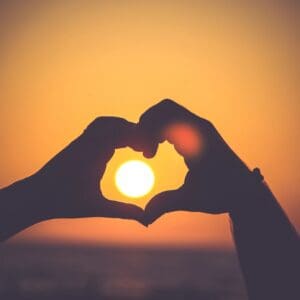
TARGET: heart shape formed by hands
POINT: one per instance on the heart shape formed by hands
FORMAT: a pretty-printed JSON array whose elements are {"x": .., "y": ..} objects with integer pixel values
[
  {"x": 71, "y": 179},
  {"x": 214, "y": 169}
]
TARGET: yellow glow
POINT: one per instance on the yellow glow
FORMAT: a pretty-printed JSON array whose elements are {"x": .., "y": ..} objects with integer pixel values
[
  {"x": 64, "y": 63},
  {"x": 134, "y": 178},
  {"x": 166, "y": 159}
]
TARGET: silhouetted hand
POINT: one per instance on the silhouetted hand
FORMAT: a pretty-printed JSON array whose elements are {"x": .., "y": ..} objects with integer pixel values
[
  {"x": 70, "y": 181},
  {"x": 218, "y": 181},
  {"x": 216, "y": 176}
]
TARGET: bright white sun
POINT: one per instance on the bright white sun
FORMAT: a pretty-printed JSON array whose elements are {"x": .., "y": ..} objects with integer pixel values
[{"x": 134, "y": 178}]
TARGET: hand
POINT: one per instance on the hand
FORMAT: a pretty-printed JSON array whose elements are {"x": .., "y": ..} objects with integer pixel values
[
  {"x": 70, "y": 181},
  {"x": 216, "y": 176}
]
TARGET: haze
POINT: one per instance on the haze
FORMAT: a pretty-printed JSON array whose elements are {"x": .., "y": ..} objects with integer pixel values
[{"x": 63, "y": 63}]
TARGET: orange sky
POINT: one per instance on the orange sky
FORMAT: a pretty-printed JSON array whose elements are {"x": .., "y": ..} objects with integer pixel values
[{"x": 62, "y": 63}]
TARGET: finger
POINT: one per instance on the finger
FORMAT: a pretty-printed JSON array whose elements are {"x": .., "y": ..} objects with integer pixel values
[
  {"x": 115, "y": 209},
  {"x": 163, "y": 203},
  {"x": 111, "y": 131},
  {"x": 172, "y": 122},
  {"x": 105, "y": 134},
  {"x": 163, "y": 113},
  {"x": 154, "y": 120}
]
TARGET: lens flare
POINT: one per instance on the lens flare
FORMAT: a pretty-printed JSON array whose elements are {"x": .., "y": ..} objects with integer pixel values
[{"x": 185, "y": 138}]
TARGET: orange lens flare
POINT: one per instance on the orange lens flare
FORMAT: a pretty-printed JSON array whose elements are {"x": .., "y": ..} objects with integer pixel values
[{"x": 185, "y": 138}]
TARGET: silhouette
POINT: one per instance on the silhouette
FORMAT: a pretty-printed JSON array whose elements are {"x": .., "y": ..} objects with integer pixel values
[
  {"x": 68, "y": 185},
  {"x": 217, "y": 182}
]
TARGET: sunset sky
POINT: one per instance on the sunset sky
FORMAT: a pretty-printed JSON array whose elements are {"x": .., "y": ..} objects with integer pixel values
[{"x": 236, "y": 63}]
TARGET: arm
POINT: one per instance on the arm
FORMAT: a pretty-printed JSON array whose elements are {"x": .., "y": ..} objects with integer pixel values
[
  {"x": 267, "y": 245},
  {"x": 68, "y": 185},
  {"x": 219, "y": 182},
  {"x": 19, "y": 208}
]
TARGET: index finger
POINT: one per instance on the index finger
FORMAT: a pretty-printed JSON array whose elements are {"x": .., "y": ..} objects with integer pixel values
[
  {"x": 170, "y": 121},
  {"x": 114, "y": 132}
]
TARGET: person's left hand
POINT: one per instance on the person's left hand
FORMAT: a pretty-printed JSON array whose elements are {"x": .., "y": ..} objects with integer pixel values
[
  {"x": 68, "y": 185},
  {"x": 217, "y": 178}
]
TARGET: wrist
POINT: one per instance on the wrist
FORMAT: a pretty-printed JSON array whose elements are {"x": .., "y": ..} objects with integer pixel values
[
  {"x": 253, "y": 206},
  {"x": 249, "y": 195}
]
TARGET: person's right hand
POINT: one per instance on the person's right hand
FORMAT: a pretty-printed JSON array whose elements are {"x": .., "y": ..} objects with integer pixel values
[{"x": 216, "y": 176}]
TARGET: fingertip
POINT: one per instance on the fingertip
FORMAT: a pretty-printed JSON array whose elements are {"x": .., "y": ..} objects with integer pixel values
[
  {"x": 148, "y": 221},
  {"x": 145, "y": 223},
  {"x": 151, "y": 214},
  {"x": 142, "y": 222},
  {"x": 147, "y": 154},
  {"x": 150, "y": 152}
]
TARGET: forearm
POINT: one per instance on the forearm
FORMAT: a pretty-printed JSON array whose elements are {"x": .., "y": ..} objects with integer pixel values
[
  {"x": 20, "y": 207},
  {"x": 267, "y": 245}
]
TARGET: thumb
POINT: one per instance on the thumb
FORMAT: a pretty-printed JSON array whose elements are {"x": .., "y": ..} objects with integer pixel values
[
  {"x": 115, "y": 209},
  {"x": 163, "y": 203}
]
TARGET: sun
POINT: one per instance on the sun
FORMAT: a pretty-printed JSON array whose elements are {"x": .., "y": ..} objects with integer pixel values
[{"x": 134, "y": 178}]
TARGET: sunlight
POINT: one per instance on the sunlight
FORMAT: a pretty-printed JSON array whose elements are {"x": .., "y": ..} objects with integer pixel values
[{"x": 134, "y": 178}]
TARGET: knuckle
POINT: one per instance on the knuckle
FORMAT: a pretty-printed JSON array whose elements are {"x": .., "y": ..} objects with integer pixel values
[
  {"x": 104, "y": 123},
  {"x": 208, "y": 123},
  {"x": 98, "y": 121},
  {"x": 211, "y": 127},
  {"x": 96, "y": 127},
  {"x": 158, "y": 111},
  {"x": 167, "y": 102},
  {"x": 167, "y": 105}
]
